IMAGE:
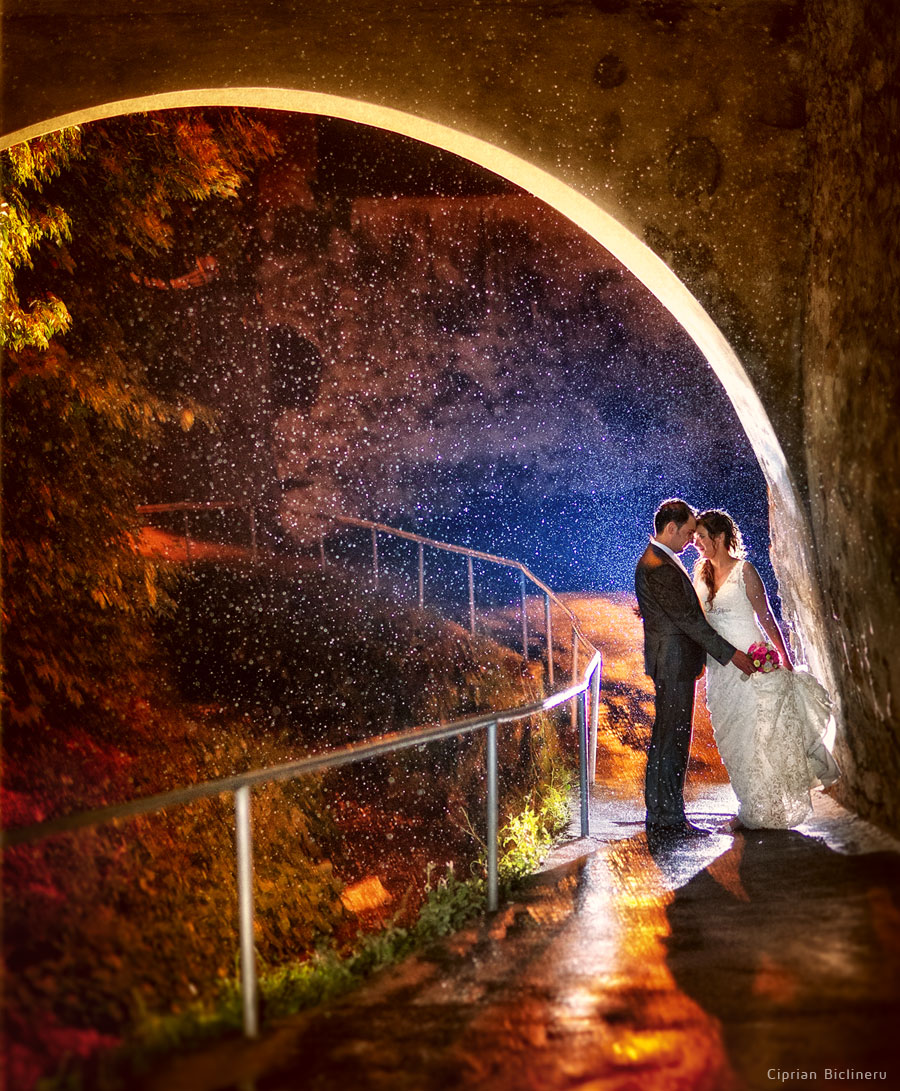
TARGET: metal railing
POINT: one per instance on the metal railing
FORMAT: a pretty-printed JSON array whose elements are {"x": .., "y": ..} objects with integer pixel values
[
  {"x": 582, "y": 695},
  {"x": 525, "y": 576},
  {"x": 241, "y": 785},
  {"x": 186, "y": 508}
]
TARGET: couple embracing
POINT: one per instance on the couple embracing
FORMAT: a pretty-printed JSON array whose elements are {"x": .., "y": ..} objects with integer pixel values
[{"x": 769, "y": 725}]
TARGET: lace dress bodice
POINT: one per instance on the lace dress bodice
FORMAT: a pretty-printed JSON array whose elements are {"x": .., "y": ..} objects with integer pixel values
[{"x": 731, "y": 613}]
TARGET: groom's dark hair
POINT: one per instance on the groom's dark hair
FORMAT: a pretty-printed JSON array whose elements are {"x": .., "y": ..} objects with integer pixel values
[{"x": 672, "y": 511}]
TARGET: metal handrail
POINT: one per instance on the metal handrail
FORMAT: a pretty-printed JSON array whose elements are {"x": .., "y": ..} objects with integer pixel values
[
  {"x": 491, "y": 558},
  {"x": 315, "y": 763},
  {"x": 242, "y": 783},
  {"x": 583, "y": 696},
  {"x": 376, "y": 528},
  {"x": 187, "y": 506}
]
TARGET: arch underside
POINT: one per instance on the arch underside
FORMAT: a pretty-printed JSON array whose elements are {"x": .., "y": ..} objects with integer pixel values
[
  {"x": 800, "y": 600},
  {"x": 603, "y": 227}
]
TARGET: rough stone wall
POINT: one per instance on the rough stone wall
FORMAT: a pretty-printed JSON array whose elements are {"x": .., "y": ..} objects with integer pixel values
[
  {"x": 852, "y": 378},
  {"x": 682, "y": 118},
  {"x": 703, "y": 143}
]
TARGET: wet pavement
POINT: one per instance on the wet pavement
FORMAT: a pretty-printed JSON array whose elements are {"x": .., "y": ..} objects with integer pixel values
[
  {"x": 756, "y": 960},
  {"x": 762, "y": 959}
]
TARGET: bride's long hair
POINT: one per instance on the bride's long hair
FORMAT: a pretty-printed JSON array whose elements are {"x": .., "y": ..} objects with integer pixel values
[{"x": 715, "y": 523}]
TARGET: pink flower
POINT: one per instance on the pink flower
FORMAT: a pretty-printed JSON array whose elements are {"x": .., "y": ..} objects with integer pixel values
[{"x": 764, "y": 656}]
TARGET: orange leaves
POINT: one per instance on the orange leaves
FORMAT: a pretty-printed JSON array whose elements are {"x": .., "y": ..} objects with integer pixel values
[
  {"x": 86, "y": 213},
  {"x": 145, "y": 881},
  {"x": 26, "y": 716},
  {"x": 112, "y": 164},
  {"x": 150, "y": 586},
  {"x": 29, "y": 363},
  {"x": 41, "y": 159},
  {"x": 34, "y": 326}
]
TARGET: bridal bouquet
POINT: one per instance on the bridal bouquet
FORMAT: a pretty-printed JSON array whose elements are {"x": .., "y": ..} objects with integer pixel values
[{"x": 765, "y": 657}]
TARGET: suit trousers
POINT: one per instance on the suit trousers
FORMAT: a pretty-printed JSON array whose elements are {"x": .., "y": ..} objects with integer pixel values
[{"x": 670, "y": 744}]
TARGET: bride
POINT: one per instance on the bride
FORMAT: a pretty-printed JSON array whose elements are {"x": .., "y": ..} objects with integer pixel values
[{"x": 769, "y": 727}]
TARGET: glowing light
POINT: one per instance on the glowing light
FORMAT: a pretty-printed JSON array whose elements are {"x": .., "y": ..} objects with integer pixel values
[{"x": 368, "y": 893}]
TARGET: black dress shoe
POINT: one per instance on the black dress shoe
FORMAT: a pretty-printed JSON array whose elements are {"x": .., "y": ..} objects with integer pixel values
[
  {"x": 665, "y": 832},
  {"x": 675, "y": 831},
  {"x": 690, "y": 830}
]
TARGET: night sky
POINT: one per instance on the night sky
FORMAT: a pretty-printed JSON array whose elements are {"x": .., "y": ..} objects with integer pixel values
[
  {"x": 488, "y": 375},
  {"x": 630, "y": 412}
]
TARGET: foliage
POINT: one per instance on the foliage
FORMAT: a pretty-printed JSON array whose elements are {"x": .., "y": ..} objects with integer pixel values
[
  {"x": 150, "y": 936},
  {"x": 449, "y": 904},
  {"x": 127, "y": 924},
  {"x": 528, "y": 835},
  {"x": 309, "y": 644},
  {"x": 87, "y": 214},
  {"x": 130, "y": 932},
  {"x": 530, "y": 831}
]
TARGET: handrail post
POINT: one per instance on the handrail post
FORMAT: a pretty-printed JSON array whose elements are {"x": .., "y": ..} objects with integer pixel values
[
  {"x": 322, "y": 559},
  {"x": 595, "y": 721},
  {"x": 574, "y": 665},
  {"x": 580, "y": 703},
  {"x": 421, "y": 576},
  {"x": 524, "y": 615},
  {"x": 244, "y": 850},
  {"x": 574, "y": 655},
  {"x": 492, "y": 867},
  {"x": 253, "y": 547},
  {"x": 471, "y": 596},
  {"x": 187, "y": 538},
  {"x": 548, "y": 625},
  {"x": 375, "y": 553}
]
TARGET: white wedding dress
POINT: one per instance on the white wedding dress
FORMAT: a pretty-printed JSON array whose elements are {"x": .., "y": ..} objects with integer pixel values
[{"x": 769, "y": 728}]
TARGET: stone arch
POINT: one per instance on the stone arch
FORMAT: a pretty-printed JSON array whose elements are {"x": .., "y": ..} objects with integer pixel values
[
  {"x": 635, "y": 255},
  {"x": 791, "y": 540}
]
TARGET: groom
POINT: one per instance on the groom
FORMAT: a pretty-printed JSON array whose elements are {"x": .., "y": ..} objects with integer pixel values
[{"x": 677, "y": 637}]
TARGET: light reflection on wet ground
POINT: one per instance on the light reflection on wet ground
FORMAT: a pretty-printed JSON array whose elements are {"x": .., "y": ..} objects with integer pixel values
[{"x": 709, "y": 965}]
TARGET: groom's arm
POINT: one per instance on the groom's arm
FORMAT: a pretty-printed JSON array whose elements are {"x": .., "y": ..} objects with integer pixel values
[{"x": 684, "y": 611}]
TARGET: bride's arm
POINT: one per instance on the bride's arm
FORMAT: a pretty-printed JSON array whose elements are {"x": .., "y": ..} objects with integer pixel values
[{"x": 759, "y": 600}]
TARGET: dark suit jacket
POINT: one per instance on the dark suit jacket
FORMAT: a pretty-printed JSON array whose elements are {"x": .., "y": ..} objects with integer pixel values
[{"x": 677, "y": 635}]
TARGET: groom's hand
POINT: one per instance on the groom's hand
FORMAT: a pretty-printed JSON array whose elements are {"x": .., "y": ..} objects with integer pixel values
[{"x": 743, "y": 662}]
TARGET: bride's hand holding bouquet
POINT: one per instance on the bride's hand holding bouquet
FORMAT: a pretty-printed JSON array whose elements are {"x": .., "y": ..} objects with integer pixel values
[
  {"x": 772, "y": 658},
  {"x": 765, "y": 657}
]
